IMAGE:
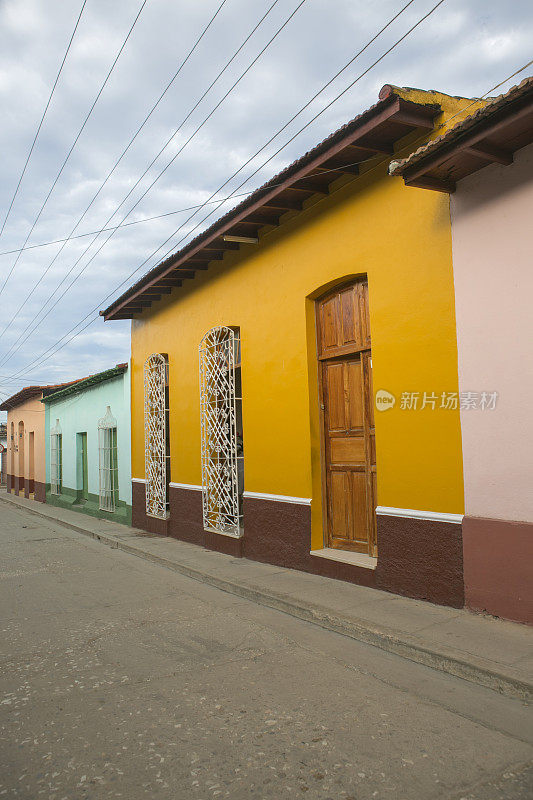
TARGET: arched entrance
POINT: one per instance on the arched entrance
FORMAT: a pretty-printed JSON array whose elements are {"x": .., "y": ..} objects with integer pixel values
[{"x": 347, "y": 418}]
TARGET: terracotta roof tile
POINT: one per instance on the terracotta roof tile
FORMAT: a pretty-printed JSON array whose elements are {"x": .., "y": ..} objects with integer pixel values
[{"x": 495, "y": 105}]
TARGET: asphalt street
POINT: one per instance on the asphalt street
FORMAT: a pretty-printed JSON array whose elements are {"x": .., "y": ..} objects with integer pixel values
[{"x": 123, "y": 679}]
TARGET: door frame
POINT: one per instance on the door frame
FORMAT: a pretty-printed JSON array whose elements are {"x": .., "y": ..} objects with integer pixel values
[{"x": 333, "y": 290}]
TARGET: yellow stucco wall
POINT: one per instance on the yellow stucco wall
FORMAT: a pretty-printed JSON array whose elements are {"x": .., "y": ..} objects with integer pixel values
[{"x": 400, "y": 237}]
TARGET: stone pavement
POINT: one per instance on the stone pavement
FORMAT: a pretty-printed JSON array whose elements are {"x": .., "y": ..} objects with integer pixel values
[
  {"x": 491, "y": 652},
  {"x": 121, "y": 678}
]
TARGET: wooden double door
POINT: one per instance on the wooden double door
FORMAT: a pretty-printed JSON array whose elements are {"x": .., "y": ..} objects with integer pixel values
[{"x": 347, "y": 411}]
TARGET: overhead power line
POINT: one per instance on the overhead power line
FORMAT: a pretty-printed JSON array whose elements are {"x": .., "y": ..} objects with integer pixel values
[
  {"x": 63, "y": 341},
  {"x": 201, "y": 205},
  {"x": 110, "y": 173},
  {"x": 13, "y": 347},
  {"x": 247, "y": 162},
  {"x": 42, "y": 119},
  {"x": 85, "y": 121}
]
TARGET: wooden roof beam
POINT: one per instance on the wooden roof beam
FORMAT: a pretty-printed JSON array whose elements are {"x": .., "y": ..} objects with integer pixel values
[
  {"x": 263, "y": 219},
  {"x": 311, "y": 185},
  {"x": 371, "y": 147},
  {"x": 428, "y": 182},
  {"x": 284, "y": 204},
  {"x": 220, "y": 244},
  {"x": 172, "y": 282},
  {"x": 489, "y": 152},
  {"x": 408, "y": 114},
  {"x": 294, "y": 183},
  {"x": 340, "y": 164},
  {"x": 214, "y": 255}
]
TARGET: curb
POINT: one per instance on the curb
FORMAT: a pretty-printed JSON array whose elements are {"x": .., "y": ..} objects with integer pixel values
[{"x": 445, "y": 660}]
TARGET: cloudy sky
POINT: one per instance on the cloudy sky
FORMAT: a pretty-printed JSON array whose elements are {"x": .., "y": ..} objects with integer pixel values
[{"x": 465, "y": 47}]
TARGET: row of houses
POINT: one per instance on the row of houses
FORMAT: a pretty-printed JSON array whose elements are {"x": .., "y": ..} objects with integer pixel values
[
  {"x": 69, "y": 444},
  {"x": 335, "y": 375}
]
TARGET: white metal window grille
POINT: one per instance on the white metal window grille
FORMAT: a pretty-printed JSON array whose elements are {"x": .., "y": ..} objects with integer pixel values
[
  {"x": 156, "y": 438},
  {"x": 56, "y": 458},
  {"x": 108, "y": 461},
  {"x": 221, "y": 422}
]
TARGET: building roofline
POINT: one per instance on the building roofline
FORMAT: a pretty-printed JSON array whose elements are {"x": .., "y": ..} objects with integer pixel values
[
  {"x": 371, "y": 133},
  {"x": 490, "y": 135},
  {"x": 32, "y": 391},
  {"x": 86, "y": 383}
]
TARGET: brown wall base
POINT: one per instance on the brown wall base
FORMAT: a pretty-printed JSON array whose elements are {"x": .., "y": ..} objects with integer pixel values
[
  {"x": 185, "y": 521},
  {"x": 229, "y": 545},
  {"x": 498, "y": 559},
  {"x": 417, "y": 558},
  {"x": 278, "y": 533},
  {"x": 9, "y": 483},
  {"x": 186, "y": 515},
  {"x": 139, "y": 518},
  {"x": 29, "y": 487},
  {"x": 421, "y": 559},
  {"x": 39, "y": 492}
]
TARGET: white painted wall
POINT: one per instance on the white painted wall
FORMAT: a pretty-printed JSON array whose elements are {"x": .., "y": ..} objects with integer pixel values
[{"x": 492, "y": 223}]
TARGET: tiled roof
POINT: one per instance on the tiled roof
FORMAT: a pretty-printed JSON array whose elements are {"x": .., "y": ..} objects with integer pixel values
[
  {"x": 391, "y": 97},
  {"x": 465, "y": 126},
  {"x": 32, "y": 391},
  {"x": 86, "y": 383}
]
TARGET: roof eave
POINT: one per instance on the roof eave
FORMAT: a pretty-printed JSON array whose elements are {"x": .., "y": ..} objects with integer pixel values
[
  {"x": 469, "y": 138},
  {"x": 392, "y": 108}
]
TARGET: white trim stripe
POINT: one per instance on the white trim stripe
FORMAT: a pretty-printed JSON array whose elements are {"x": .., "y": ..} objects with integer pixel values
[
  {"x": 278, "y": 498},
  {"x": 185, "y": 486},
  {"x": 138, "y": 480},
  {"x": 411, "y": 513}
]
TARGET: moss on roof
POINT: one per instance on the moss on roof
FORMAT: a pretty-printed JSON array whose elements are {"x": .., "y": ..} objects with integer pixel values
[{"x": 86, "y": 383}]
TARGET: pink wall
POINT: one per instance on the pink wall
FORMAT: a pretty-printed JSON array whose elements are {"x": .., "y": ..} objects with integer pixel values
[{"x": 492, "y": 218}]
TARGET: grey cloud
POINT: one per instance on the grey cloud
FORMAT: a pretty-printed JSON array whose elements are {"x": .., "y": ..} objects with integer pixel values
[{"x": 465, "y": 48}]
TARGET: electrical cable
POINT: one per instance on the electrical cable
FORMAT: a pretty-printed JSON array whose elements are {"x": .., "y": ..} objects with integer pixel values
[
  {"x": 7, "y": 356},
  {"x": 42, "y": 118},
  {"x": 28, "y": 367},
  {"x": 110, "y": 173},
  {"x": 200, "y": 205},
  {"x": 307, "y": 125},
  {"x": 75, "y": 141}
]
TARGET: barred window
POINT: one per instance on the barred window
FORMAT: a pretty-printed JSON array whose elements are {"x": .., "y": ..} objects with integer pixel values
[
  {"x": 108, "y": 462},
  {"x": 56, "y": 459},
  {"x": 156, "y": 435},
  {"x": 222, "y": 438}
]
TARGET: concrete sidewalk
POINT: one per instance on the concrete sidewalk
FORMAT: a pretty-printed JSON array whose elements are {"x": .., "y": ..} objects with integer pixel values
[{"x": 478, "y": 648}]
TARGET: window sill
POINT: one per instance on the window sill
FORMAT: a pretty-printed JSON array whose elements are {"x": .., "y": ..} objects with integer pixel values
[{"x": 346, "y": 557}]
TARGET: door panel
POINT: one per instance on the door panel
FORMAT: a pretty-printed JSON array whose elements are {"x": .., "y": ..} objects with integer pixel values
[
  {"x": 350, "y": 331},
  {"x": 347, "y": 402},
  {"x": 354, "y": 395},
  {"x": 335, "y": 391},
  {"x": 338, "y": 507},
  {"x": 348, "y": 450},
  {"x": 359, "y": 505}
]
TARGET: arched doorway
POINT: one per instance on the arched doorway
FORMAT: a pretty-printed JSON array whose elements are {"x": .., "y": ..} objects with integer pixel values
[{"x": 347, "y": 417}]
